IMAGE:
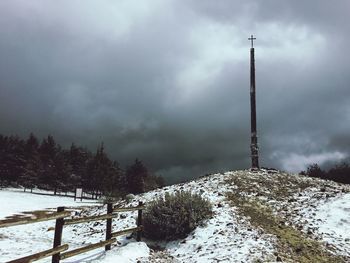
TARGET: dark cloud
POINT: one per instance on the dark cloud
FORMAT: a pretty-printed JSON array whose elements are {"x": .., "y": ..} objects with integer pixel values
[{"x": 168, "y": 81}]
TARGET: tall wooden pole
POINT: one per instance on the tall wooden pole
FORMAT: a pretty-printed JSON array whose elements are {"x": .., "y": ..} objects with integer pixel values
[{"x": 254, "y": 139}]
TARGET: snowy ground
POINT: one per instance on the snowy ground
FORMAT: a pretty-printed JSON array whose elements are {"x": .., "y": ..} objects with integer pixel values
[
  {"x": 15, "y": 201},
  {"x": 330, "y": 220},
  {"x": 319, "y": 208}
]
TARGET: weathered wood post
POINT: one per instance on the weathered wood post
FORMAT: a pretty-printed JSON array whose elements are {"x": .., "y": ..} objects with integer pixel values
[
  {"x": 139, "y": 222},
  {"x": 58, "y": 235},
  {"x": 109, "y": 225}
]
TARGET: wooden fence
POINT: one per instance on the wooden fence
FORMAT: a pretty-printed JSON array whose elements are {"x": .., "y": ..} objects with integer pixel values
[{"x": 59, "y": 251}]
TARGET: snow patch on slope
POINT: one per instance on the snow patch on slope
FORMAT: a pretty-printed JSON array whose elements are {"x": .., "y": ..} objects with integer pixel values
[
  {"x": 333, "y": 222},
  {"x": 126, "y": 254}
]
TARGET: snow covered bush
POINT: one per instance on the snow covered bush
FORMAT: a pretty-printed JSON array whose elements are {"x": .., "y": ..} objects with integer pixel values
[{"x": 174, "y": 216}]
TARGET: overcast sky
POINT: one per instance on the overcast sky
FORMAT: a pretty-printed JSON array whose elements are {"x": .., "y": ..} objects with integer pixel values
[{"x": 168, "y": 81}]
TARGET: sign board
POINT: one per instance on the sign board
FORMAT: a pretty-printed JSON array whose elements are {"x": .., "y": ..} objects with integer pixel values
[{"x": 78, "y": 193}]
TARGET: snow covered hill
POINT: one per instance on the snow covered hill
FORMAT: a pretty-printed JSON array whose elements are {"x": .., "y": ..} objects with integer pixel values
[{"x": 264, "y": 216}]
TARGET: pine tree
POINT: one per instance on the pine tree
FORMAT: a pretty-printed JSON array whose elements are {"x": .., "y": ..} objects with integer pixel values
[
  {"x": 3, "y": 157},
  {"x": 153, "y": 182},
  {"x": 58, "y": 175},
  {"x": 115, "y": 181},
  {"x": 136, "y": 176},
  {"x": 12, "y": 162},
  {"x": 30, "y": 177},
  {"x": 121, "y": 181},
  {"x": 32, "y": 163},
  {"x": 48, "y": 166},
  {"x": 78, "y": 159},
  {"x": 47, "y": 150},
  {"x": 98, "y": 170}
]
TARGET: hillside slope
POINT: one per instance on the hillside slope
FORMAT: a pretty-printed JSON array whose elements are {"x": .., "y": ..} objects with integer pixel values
[
  {"x": 264, "y": 216},
  {"x": 268, "y": 216}
]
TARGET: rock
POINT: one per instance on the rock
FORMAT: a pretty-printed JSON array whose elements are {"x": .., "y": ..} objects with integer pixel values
[{"x": 299, "y": 249}]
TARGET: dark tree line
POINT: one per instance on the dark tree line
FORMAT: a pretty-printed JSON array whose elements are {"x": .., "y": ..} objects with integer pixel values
[
  {"x": 339, "y": 173},
  {"x": 46, "y": 165}
]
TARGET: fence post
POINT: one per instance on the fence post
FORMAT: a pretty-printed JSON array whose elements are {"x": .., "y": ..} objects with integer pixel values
[
  {"x": 109, "y": 225},
  {"x": 58, "y": 235},
  {"x": 139, "y": 222}
]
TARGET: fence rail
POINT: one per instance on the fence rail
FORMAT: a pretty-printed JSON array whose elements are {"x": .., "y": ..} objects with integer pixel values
[
  {"x": 87, "y": 248},
  {"x": 127, "y": 231},
  {"x": 128, "y": 209},
  {"x": 88, "y": 219},
  {"x": 40, "y": 255},
  {"x": 60, "y": 216},
  {"x": 32, "y": 219}
]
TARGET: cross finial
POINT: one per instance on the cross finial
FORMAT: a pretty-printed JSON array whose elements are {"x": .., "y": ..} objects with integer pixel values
[{"x": 252, "y": 40}]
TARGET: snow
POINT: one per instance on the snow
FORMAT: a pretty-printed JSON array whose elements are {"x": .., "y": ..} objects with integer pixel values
[
  {"x": 223, "y": 238},
  {"x": 14, "y": 201},
  {"x": 322, "y": 208},
  {"x": 128, "y": 253},
  {"x": 218, "y": 241},
  {"x": 33, "y": 238},
  {"x": 332, "y": 220},
  {"x": 335, "y": 216}
]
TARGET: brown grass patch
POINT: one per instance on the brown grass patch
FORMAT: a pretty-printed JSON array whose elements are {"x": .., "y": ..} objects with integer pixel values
[{"x": 292, "y": 244}]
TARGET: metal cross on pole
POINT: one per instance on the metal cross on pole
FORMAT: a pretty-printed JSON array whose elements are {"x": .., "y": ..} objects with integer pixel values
[
  {"x": 254, "y": 138},
  {"x": 252, "y": 38}
]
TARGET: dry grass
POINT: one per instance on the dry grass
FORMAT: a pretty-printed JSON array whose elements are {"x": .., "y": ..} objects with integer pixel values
[
  {"x": 278, "y": 187},
  {"x": 292, "y": 244}
]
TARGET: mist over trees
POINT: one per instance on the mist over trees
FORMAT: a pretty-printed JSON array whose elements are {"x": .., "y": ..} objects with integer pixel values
[
  {"x": 46, "y": 165},
  {"x": 339, "y": 173}
]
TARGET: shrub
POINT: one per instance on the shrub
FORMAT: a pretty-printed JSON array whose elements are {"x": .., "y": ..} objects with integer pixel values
[
  {"x": 315, "y": 171},
  {"x": 339, "y": 173},
  {"x": 106, "y": 199},
  {"x": 174, "y": 216}
]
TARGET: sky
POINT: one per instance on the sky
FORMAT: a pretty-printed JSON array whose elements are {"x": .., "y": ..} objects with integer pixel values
[{"x": 167, "y": 81}]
